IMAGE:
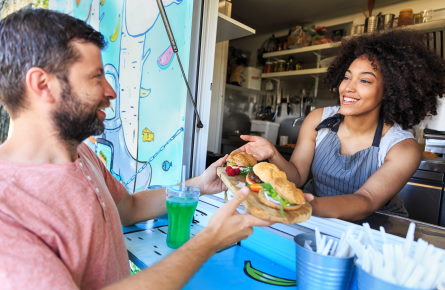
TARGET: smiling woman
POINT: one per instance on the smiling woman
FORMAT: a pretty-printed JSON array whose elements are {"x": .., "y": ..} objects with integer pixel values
[
  {"x": 361, "y": 89},
  {"x": 360, "y": 154},
  {"x": 413, "y": 76}
]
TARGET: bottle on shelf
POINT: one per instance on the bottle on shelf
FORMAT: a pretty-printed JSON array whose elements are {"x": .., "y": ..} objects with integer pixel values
[{"x": 290, "y": 65}]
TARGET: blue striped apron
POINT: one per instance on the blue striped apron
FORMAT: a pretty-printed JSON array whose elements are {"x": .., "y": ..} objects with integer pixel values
[{"x": 335, "y": 174}]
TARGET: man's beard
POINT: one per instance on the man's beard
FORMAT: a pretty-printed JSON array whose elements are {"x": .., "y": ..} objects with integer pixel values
[{"x": 74, "y": 120}]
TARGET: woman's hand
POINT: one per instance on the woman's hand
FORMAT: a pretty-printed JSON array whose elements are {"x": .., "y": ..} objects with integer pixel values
[
  {"x": 309, "y": 197},
  {"x": 208, "y": 181},
  {"x": 259, "y": 147}
]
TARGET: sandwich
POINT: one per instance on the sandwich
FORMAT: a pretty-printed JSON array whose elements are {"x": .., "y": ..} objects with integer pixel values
[
  {"x": 239, "y": 163},
  {"x": 272, "y": 197},
  {"x": 275, "y": 198}
]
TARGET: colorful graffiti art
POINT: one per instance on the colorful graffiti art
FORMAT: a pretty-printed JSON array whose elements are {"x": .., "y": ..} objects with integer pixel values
[{"x": 145, "y": 124}]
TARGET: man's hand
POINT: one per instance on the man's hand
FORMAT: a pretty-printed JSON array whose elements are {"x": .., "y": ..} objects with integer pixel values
[
  {"x": 227, "y": 226},
  {"x": 259, "y": 147},
  {"x": 208, "y": 181}
]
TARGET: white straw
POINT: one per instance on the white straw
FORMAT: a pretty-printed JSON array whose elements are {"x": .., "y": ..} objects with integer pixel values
[
  {"x": 317, "y": 240},
  {"x": 307, "y": 245},
  {"x": 409, "y": 237},
  {"x": 183, "y": 178},
  {"x": 327, "y": 247}
]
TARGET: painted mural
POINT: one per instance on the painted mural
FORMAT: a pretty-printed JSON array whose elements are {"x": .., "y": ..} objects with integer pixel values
[{"x": 143, "y": 141}]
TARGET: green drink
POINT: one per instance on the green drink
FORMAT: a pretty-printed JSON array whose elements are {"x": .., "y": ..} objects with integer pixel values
[{"x": 181, "y": 205}]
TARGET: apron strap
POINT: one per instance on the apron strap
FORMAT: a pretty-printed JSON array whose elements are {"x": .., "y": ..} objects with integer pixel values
[
  {"x": 332, "y": 123},
  {"x": 378, "y": 133}
]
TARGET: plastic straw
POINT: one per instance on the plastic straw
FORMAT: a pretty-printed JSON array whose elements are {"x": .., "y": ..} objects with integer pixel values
[
  {"x": 327, "y": 247},
  {"x": 183, "y": 179},
  {"x": 318, "y": 244},
  {"x": 307, "y": 245},
  {"x": 413, "y": 264}
]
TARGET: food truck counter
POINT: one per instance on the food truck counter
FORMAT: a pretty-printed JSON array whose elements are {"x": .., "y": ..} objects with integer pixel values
[{"x": 267, "y": 259}]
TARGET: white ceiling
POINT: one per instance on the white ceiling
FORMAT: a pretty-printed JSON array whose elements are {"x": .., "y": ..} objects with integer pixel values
[{"x": 272, "y": 15}]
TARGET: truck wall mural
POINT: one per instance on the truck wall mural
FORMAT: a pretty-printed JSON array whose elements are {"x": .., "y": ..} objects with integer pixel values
[{"x": 143, "y": 140}]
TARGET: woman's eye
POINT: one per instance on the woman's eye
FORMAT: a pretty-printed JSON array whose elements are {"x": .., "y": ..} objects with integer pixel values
[
  {"x": 365, "y": 81},
  {"x": 345, "y": 78}
]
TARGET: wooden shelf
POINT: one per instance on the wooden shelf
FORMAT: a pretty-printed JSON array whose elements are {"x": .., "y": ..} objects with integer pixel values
[
  {"x": 228, "y": 29},
  {"x": 293, "y": 73},
  {"x": 306, "y": 49},
  {"x": 435, "y": 25},
  {"x": 244, "y": 90}
]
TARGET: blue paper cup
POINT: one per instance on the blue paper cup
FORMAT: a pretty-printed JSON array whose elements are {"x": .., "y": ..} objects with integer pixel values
[
  {"x": 315, "y": 271},
  {"x": 366, "y": 281}
]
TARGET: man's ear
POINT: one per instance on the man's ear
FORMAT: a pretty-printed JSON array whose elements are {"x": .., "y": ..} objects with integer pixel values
[{"x": 41, "y": 85}]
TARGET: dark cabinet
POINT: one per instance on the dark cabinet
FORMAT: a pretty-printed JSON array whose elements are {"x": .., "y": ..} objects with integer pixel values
[{"x": 423, "y": 195}]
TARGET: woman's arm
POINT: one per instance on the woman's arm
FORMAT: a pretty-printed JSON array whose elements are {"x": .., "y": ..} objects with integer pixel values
[
  {"x": 298, "y": 168},
  {"x": 399, "y": 165}
]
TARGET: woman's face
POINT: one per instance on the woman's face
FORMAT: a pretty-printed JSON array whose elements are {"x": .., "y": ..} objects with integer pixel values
[{"x": 361, "y": 90}]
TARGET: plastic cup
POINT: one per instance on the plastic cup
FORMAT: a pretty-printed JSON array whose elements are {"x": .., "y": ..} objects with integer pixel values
[
  {"x": 181, "y": 205},
  {"x": 316, "y": 271}
]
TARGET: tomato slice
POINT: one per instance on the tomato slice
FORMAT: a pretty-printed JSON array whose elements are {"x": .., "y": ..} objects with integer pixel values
[{"x": 255, "y": 187}]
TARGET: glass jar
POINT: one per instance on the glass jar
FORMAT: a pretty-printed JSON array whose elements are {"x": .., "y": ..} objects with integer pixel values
[
  {"x": 281, "y": 66},
  {"x": 406, "y": 17},
  {"x": 268, "y": 67},
  {"x": 298, "y": 65},
  {"x": 274, "y": 66}
]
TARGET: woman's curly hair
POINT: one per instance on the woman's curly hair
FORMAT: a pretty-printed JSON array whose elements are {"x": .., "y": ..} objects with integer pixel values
[{"x": 413, "y": 75}]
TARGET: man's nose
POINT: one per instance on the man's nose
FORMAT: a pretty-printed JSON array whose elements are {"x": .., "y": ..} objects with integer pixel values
[{"x": 108, "y": 90}]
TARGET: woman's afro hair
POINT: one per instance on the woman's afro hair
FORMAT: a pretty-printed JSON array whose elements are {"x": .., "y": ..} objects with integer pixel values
[{"x": 413, "y": 75}]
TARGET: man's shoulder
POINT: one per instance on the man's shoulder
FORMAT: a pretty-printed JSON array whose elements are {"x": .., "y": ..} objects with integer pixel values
[
  {"x": 7, "y": 177},
  {"x": 87, "y": 153}
]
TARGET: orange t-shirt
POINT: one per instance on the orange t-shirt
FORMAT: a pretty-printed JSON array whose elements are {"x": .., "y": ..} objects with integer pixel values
[{"x": 59, "y": 225}]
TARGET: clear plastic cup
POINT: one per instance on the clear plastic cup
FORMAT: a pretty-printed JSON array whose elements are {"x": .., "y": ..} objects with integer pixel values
[{"x": 181, "y": 205}]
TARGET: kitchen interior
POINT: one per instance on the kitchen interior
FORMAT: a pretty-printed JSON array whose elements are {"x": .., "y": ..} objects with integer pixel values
[{"x": 270, "y": 60}]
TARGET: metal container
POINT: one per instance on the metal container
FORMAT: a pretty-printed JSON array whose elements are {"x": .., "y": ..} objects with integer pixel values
[
  {"x": 371, "y": 24},
  {"x": 388, "y": 21},
  {"x": 316, "y": 271},
  {"x": 367, "y": 281},
  {"x": 358, "y": 29}
]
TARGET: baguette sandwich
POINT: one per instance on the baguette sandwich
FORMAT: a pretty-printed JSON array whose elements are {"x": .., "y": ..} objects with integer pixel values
[
  {"x": 276, "y": 198},
  {"x": 239, "y": 163}
]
